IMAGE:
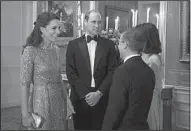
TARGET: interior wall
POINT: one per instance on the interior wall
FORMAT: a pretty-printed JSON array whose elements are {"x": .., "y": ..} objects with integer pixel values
[
  {"x": 177, "y": 73},
  {"x": 100, "y": 6},
  {"x": 11, "y": 40},
  {"x": 118, "y": 4},
  {"x": 16, "y": 24},
  {"x": 15, "y": 27},
  {"x": 142, "y": 12}
]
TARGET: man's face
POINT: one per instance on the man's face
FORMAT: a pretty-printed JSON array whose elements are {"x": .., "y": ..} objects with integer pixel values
[
  {"x": 93, "y": 25},
  {"x": 122, "y": 47}
]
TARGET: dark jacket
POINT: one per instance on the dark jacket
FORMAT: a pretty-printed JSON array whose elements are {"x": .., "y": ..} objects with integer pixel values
[
  {"x": 78, "y": 67},
  {"x": 130, "y": 96}
]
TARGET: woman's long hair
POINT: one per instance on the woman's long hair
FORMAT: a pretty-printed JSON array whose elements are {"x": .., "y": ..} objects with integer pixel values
[
  {"x": 43, "y": 20},
  {"x": 153, "y": 44}
]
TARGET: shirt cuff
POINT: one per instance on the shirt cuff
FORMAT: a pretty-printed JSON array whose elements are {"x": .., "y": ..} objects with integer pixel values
[{"x": 101, "y": 94}]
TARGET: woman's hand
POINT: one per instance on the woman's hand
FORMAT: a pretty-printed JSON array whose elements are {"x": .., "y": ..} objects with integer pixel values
[
  {"x": 70, "y": 109},
  {"x": 28, "y": 121}
]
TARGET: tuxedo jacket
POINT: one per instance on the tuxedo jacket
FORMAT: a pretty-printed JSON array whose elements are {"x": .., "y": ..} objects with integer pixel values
[
  {"x": 130, "y": 96},
  {"x": 78, "y": 67}
]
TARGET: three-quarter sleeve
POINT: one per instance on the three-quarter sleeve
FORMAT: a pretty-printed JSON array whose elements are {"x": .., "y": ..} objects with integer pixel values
[
  {"x": 58, "y": 58},
  {"x": 26, "y": 68}
]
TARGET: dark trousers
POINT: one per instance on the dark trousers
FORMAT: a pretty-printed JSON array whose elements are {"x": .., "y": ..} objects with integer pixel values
[{"x": 87, "y": 117}]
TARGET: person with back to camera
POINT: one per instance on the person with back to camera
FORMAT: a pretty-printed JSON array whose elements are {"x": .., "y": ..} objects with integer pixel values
[
  {"x": 40, "y": 66},
  {"x": 150, "y": 55},
  {"x": 132, "y": 86},
  {"x": 90, "y": 62}
]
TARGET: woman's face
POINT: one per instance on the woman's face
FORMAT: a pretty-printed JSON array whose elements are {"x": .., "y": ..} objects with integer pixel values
[{"x": 52, "y": 30}]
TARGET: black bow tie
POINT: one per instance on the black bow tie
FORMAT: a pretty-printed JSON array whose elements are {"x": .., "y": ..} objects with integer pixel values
[{"x": 89, "y": 38}]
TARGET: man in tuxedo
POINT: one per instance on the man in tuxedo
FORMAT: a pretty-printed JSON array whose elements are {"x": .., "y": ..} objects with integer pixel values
[
  {"x": 90, "y": 63},
  {"x": 132, "y": 87}
]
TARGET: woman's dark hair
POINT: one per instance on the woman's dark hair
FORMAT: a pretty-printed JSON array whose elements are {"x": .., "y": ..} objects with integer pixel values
[
  {"x": 153, "y": 44},
  {"x": 43, "y": 20}
]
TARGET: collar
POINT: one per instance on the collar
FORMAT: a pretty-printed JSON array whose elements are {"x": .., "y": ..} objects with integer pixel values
[
  {"x": 45, "y": 46},
  {"x": 128, "y": 57},
  {"x": 86, "y": 34}
]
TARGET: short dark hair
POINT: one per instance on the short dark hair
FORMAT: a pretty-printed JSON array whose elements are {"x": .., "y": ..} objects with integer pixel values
[
  {"x": 43, "y": 20},
  {"x": 135, "y": 38},
  {"x": 153, "y": 44},
  {"x": 87, "y": 14}
]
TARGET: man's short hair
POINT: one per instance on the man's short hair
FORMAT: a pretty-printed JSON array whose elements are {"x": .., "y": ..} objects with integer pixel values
[
  {"x": 87, "y": 14},
  {"x": 135, "y": 38}
]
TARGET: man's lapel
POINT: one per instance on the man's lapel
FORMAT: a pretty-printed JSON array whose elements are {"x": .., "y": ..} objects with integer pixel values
[
  {"x": 98, "y": 53},
  {"x": 84, "y": 50}
]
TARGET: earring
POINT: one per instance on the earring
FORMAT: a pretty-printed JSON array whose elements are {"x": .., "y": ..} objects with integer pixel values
[{"x": 42, "y": 35}]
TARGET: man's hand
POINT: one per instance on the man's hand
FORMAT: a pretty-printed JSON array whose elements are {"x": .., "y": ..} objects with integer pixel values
[{"x": 93, "y": 98}]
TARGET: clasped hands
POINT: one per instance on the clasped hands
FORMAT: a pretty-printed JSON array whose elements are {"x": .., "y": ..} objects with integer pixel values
[{"x": 93, "y": 98}]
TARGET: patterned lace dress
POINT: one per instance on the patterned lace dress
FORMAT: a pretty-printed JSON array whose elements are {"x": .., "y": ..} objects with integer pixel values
[
  {"x": 155, "y": 112},
  {"x": 40, "y": 66}
]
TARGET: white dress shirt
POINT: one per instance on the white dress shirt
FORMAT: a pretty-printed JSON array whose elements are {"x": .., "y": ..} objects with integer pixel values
[
  {"x": 91, "y": 49},
  {"x": 128, "y": 57}
]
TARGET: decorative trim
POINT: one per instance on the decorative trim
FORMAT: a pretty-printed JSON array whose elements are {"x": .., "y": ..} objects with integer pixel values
[
  {"x": 178, "y": 124},
  {"x": 183, "y": 102},
  {"x": 11, "y": 45},
  {"x": 10, "y": 104},
  {"x": 162, "y": 33},
  {"x": 181, "y": 93},
  {"x": 178, "y": 77},
  {"x": 180, "y": 87},
  {"x": 180, "y": 105},
  {"x": 78, "y": 19},
  {"x": 184, "y": 25},
  {"x": 9, "y": 66},
  {"x": 182, "y": 127},
  {"x": 34, "y": 6}
]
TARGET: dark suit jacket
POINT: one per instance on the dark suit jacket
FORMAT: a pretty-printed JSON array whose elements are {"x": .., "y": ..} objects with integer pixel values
[
  {"x": 78, "y": 67},
  {"x": 130, "y": 96}
]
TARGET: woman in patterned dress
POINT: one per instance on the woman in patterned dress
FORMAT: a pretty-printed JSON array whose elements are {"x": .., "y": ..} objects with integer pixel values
[
  {"x": 40, "y": 66},
  {"x": 150, "y": 55}
]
